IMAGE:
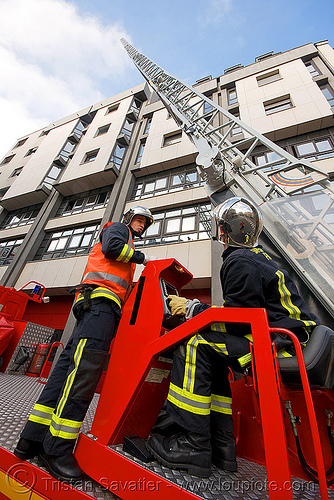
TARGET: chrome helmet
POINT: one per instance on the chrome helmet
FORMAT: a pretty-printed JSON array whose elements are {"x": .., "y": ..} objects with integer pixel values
[
  {"x": 129, "y": 215},
  {"x": 238, "y": 222}
]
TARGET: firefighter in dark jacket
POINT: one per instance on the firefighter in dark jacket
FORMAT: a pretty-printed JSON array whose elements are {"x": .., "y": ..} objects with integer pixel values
[
  {"x": 56, "y": 418},
  {"x": 199, "y": 398}
]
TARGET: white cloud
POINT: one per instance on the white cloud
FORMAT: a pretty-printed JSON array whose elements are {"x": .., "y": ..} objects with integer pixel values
[
  {"x": 215, "y": 11},
  {"x": 240, "y": 41},
  {"x": 54, "y": 61}
]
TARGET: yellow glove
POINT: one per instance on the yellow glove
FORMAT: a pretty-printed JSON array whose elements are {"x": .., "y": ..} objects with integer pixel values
[{"x": 177, "y": 305}]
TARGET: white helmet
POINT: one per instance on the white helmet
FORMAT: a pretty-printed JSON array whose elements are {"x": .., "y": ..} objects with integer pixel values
[
  {"x": 238, "y": 222},
  {"x": 129, "y": 215}
]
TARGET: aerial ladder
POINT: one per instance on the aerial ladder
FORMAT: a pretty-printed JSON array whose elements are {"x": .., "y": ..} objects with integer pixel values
[
  {"x": 282, "y": 410},
  {"x": 294, "y": 195}
]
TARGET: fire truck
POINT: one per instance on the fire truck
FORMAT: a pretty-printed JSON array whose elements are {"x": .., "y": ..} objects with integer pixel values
[{"x": 282, "y": 408}]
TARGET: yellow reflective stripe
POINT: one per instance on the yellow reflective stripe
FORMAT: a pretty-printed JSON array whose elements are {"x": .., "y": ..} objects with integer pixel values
[
  {"x": 245, "y": 360},
  {"x": 219, "y": 409},
  {"x": 222, "y": 399},
  {"x": 76, "y": 424},
  {"x": 194, "y": 397},
  {"x": 65, "y": 428},
  {"x": 221, "y": 348},
  {"x": 107, "y": 294},
  {"x": 187, "y": 376},
  {"x": 191, "y": 354},
  {"x": 293, "y": 310},
  {"x": 187, "y": 407},
  {"x": 63, "y": 434},
  {"x": 131, "y": 252},
  {"x": 284, "y": 354},
  {"x": 45, "y": 409},
  {"x": 221, "y": 404},
  {"x": 191, "y": 402},
  {"x": 249, "y": 337},
  {"x": 125, "y": 254},
  {"x": 70, "y": 378},
  {"x": 218, "y": 327},
  {"x": 41, "y": 414},
  {"x": 39, "y": 420}
]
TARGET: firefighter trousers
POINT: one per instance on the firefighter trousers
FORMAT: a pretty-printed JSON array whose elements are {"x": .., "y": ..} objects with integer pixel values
[
  {"x": 199, "y": 397},
  {"x": 57, "y": 416}
]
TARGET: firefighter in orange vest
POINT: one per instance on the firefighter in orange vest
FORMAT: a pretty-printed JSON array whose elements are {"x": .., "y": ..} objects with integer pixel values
[{"x": 56, "y": 418}]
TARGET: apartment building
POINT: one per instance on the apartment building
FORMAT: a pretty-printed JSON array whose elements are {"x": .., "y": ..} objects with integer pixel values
[{"x": 59, "y": 185}]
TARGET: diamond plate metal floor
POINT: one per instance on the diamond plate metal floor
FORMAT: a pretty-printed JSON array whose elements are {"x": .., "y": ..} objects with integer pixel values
[
  {"x": 19, "y": 393},
  {"x": 249, "y": 483}
]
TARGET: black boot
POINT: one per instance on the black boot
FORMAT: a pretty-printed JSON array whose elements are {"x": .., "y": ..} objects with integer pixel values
[
  {"x": 26, "y": 448},
  {"x": 64, "y": 468},
  {"x": 189, "y": 451},
  {"x": 223, "y": 450},
  {"x": 166, "y": 426}
]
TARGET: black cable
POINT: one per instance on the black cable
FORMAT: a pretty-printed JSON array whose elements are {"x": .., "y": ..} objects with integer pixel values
[
  {"x": 309, "y": 471},
  {"x": 307, "y": 468}
]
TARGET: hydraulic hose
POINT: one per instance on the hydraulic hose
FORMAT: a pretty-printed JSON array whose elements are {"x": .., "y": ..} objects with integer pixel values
[{"x": 306, "y": 467}]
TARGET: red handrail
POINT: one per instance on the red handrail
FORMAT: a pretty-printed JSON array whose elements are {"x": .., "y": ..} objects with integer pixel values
[
  {"x": 310, "y": 410},
  {"x": 44, "y": 365}
]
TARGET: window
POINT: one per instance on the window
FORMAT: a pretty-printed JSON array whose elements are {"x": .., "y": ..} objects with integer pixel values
[
  {"x": 207, "y": 107},
  {"x": 44, "y": 132},
  {"x": 312, "y": 69},
  {"x": 273, "y": 76},
  {"x": 21, "y": 217},
  {"x": 3, "y": 191},
  {"x": 7, "y": 159},
  {"x": 90, "y": 156},
  {"x": 172, "y": 139},
  {"x": 112, "y": 108},
  {"x": 20, "y": 143},
  {"x": 52, "y": 176},
  {"x": 148, "y": 125},
  {"x": 236, "y": 129},
  {"x": 315, "y": 149},
  {"x": 8, "y": 250},
  {"x": 276, "y": 105},
  {"x": 117, "y": 156},
  {"x": 31, "y": 151},
  {"x": 127, "y": 128},
  {"x": 68, "y": 243},
  {"x": 134, "y": 108},
  {"x": 232, "y": 97},
  {"x": 328, "y": 93},
  {"x": 102, "y": 130},
  {"x": 91, "y": 200},
  {"x": 263, "y": 159},
  {"x": 66, "y": 152},
  {"x": 78, "y": 131},
  {"x": 16, "y": 172},
  {"x": 140, "y": 152},
  {"x": 167, "y": 182},
  {"x": 179, "y": 225}
]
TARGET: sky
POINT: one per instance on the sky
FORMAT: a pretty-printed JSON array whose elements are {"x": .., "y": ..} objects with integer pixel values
[{"x": 60, "y": 56}]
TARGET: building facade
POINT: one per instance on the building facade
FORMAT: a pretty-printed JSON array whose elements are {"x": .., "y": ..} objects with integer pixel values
[{"x": 59, "y": 185}]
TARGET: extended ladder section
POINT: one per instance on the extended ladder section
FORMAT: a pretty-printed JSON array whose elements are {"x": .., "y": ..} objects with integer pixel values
[{"x": 295, "y": 196}]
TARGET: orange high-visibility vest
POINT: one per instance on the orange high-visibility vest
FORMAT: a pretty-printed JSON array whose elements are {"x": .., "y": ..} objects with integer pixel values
[{"x": 114, "y": 275}]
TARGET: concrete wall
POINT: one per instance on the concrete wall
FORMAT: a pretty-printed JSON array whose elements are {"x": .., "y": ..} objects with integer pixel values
[{"x": 309, "y": 104}]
